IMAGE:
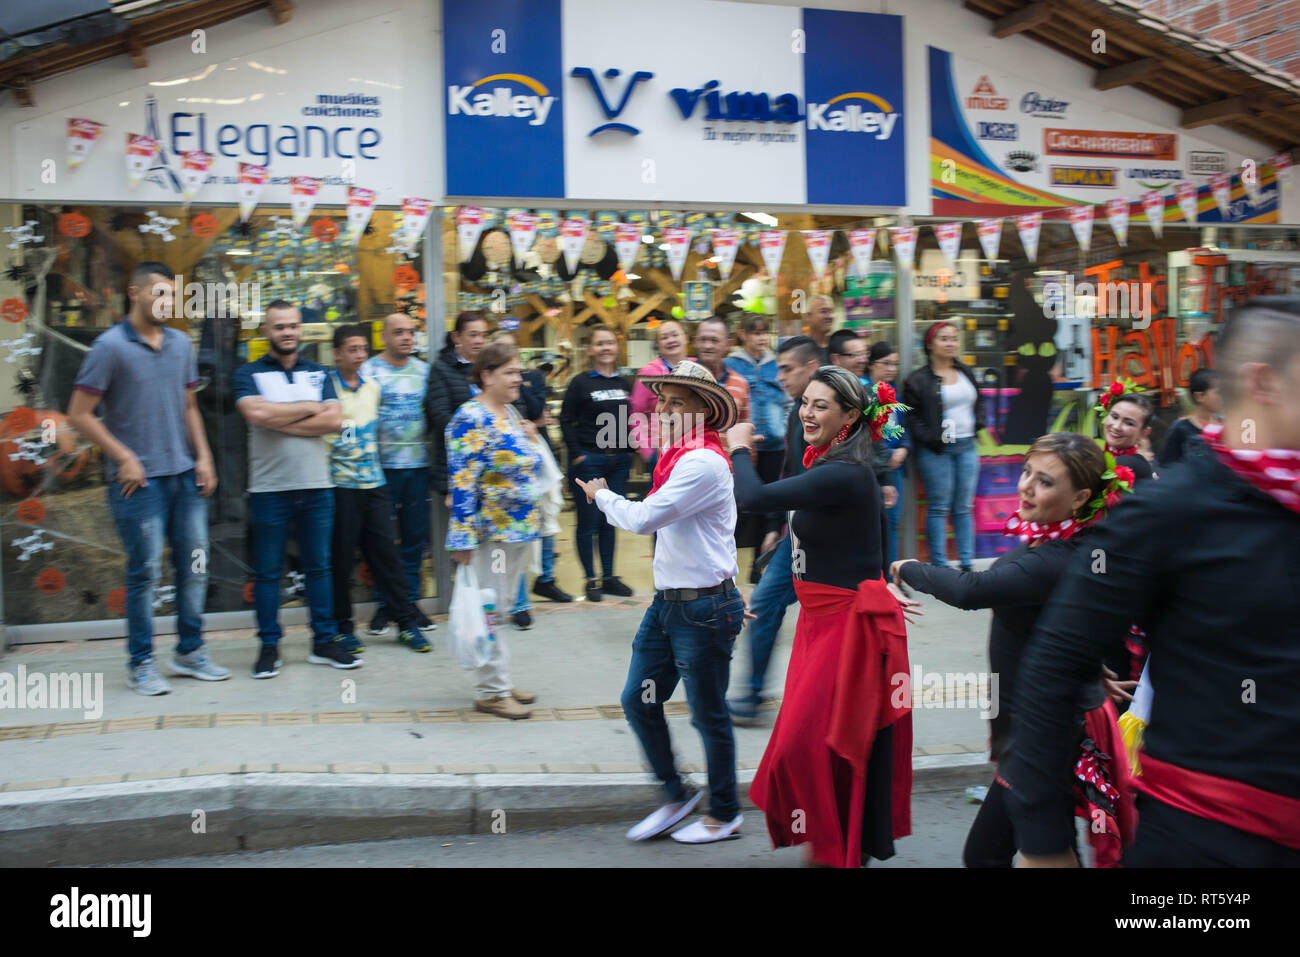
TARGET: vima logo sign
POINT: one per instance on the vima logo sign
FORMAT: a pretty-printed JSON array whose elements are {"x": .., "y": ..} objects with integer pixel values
[
  {"x": 502, "y": 100},
  {"x": 854, "y": 117}
]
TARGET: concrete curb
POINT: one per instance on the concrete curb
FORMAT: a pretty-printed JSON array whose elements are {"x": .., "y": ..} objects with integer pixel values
[{"x": 223, "y": 813}]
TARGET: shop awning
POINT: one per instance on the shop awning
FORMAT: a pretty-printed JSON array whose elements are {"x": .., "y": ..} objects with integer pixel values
[{"x": 1213, "y": 84}]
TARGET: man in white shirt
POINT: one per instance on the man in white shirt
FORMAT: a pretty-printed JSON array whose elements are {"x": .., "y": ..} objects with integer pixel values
[{"x": 690, "y": 628}]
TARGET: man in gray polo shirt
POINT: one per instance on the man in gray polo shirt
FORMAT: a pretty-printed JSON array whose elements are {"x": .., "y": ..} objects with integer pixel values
[
  {"x": 290, "y": 404},
  {"x": 142, "y": 374}
]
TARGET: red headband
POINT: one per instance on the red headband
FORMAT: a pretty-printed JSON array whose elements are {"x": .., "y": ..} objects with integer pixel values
[{"x": 933, "y": 331}]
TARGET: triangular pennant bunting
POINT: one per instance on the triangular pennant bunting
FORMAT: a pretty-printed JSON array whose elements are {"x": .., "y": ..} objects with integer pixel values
[
  {"x": 1117, "y": 214},
  {"x": 862, "y": 243},
  {"x": 990, "y": 234},
  {"x": 1081, "y": 223},
  {"x": 1028, "y": 226}
]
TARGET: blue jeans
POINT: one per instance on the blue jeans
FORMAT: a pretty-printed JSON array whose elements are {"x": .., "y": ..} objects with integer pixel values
[
  {"x": 893, "y": 515},
  {"x": 168, "y": 507},
  {"x": 772, "y": 596},
  {"x": 547, "y": 575},
  {"x": 312, "y": 511},
  {"x": 690, "y": 640},
  {"x": 950, "y": 477},
  {"x": 408, "y": 489},
  {"x": 613, "y": 468}
]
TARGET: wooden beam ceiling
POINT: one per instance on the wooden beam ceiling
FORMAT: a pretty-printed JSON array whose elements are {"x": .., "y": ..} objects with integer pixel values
[
  {"x": 1123, "y": 74},
  {"x": 1026, "y": 18},
  {"x": 1209, "y": 114}
]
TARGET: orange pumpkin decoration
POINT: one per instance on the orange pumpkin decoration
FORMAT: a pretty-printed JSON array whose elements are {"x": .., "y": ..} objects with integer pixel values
[
  {"x": 30, "y": 511},
  {"x": 405, "y": 277},
  {"x": 13, "y": 310},
  {"x": 248, "y": 593},
  {"x": 50, "y": 581},
  {"x": 116, "y": 601},
  {"x": 20, "y": 477},
  {"x": 204, "y": 224},
  {"x": 326, "y": 230},
  {"x": 75, "y": 224}
]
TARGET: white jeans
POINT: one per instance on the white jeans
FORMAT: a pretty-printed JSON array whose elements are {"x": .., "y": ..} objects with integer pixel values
[{"x": 499, "y": 565}]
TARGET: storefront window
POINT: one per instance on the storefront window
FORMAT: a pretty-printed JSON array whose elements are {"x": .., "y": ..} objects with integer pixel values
[{"x": 62, "y": 557}]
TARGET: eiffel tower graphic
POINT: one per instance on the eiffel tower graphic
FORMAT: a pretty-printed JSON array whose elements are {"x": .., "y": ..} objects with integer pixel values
[{"x": 161, "y": 173}]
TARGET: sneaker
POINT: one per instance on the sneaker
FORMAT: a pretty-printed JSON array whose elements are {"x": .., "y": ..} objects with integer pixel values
[
  {"x": 503, "y": 707},
  {"x": 593, "y": 589},
  {"x": 664, "y": 818},
  {"x": 331, "y": 653},
  {"x": 145, "y": 679},
  {"x": 197, "y": 664},
  {"x": 523, "y": 620},
  {"x": 701, "y": 833},
  {"x": 413, "y": 639},
  {"x": 268, "y": 662},
  {"x": 378, "y": 625},
  {"x": 615, "y": 586},
  {"x": 351, "y": 644},
  {"x": 550, "y": 590},
  {"x": 427, "y": 627}
]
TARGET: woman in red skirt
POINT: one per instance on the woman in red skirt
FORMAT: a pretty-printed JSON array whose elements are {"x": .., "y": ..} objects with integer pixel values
[{"x": 837, "y": 772}]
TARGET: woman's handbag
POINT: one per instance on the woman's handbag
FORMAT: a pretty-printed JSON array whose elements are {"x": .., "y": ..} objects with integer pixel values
[{"x": 472, "y": 611}]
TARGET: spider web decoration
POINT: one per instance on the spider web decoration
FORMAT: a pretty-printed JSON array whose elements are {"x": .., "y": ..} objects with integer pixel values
[
  {"x": 24, "y": 234},
  {"x": 282, "y": 228},
  {"x": 160, "y": 225}
]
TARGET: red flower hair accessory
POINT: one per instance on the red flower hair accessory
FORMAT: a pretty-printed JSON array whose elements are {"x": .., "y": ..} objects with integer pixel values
[
  {"x": 1117, "y": 388},
  {"x": 882, "y": 403}
]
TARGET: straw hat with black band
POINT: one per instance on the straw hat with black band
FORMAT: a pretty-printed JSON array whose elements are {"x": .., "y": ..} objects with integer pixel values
[{"x": 722, "y": 413}]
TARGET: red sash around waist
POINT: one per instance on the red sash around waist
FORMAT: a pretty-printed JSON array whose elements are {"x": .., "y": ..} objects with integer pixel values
[
  {"x": 1274, "y": 817},
  {"x": 872, "y": 653}
]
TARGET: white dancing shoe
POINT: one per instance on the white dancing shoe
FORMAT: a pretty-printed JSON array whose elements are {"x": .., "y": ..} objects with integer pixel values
[
  {"x": 701, "y": 833},
  {"x": 664, "y": 818}
]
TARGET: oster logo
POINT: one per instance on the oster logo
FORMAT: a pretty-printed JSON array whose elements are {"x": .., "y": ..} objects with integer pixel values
[
  {"x": 507, "y": 96},
  {"x": 857, "y": 113}
]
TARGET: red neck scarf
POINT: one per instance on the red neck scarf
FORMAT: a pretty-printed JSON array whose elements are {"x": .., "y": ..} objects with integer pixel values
[
  {"x": 1039, "y": 531},
  {"x": 695, "y": 439},
  {"x": 1131, "y": 450},
  {"x": 1276, "y": 472},
  {"x": 813, "y": 452}
]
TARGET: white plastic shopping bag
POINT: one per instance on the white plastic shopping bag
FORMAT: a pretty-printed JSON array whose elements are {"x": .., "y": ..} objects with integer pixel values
[{"x": 470, "y": 625}]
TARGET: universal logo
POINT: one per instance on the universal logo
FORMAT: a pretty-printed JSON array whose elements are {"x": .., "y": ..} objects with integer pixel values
[{"x": 1022, "y": 161}]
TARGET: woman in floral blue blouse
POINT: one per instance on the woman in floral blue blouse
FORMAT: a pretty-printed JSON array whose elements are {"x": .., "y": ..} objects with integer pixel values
[{"x": 493, "y": 470}]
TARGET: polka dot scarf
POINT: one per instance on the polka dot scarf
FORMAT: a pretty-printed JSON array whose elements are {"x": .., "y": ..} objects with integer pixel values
[
  {"x": 1275, "y": 472},
  {"x": 1038, "y": 531}
]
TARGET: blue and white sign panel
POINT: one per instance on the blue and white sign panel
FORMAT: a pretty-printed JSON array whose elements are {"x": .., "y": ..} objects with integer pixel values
[{"x": 677, "y": 101}]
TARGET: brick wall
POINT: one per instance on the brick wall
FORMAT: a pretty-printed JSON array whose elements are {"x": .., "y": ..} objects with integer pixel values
[{"x": 1268, "y": 30}]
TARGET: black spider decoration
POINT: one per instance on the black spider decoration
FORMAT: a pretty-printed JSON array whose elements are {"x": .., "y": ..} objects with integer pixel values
[
  {"x": 18, "y": 273},
  {"x": 118, "y": 222},
  {"x": 243, "y": 230},
  {"x": 27, "y": 384},
  {"x": 369, "y": 230},
  {"x": 88, "y": 597}
]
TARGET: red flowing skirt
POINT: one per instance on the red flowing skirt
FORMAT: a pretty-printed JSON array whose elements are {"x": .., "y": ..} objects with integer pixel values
[{"x": 847, "y": 711}]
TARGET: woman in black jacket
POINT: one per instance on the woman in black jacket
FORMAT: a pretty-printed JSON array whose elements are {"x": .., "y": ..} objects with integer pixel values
[
  {"x": 594, "y": 418},
  {"x": 945, "y": 417},
  {"x": 1062, "y": 493}
]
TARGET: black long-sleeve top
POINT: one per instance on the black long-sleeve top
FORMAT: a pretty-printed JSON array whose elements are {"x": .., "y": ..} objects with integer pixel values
[
  {"x": 1209, "y": 567},
  {"x": 595, "y": 415},
  {"x": 838, "y": 521},
  {"x": 1181, "y": 433},
  {"x": 791, "y": 462},
  {"x": 1016, "y": 587}
]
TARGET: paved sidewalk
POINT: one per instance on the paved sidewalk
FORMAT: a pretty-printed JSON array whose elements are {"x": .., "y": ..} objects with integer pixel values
[{"x": 405, "y": 719}]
